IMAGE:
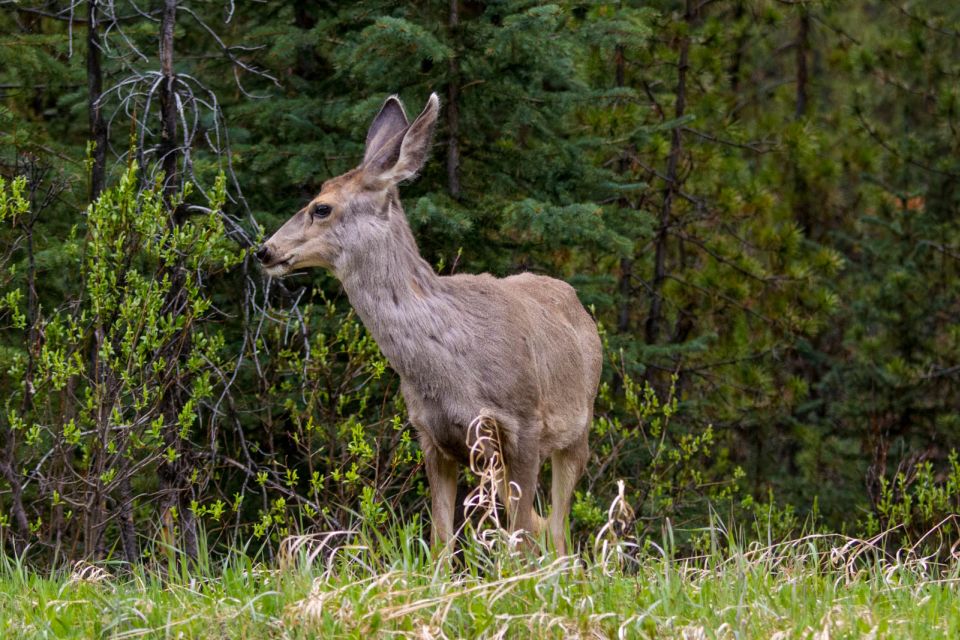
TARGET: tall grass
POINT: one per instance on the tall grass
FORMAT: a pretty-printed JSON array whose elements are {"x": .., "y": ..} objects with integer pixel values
[{"x": 373, "y": 582}]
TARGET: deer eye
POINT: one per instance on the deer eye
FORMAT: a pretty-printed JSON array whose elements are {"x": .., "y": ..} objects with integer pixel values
[{"x": 321, "y": 211}]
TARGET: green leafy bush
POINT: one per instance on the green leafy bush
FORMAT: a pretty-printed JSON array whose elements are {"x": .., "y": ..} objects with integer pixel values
[{"x": 108, "y": 387}]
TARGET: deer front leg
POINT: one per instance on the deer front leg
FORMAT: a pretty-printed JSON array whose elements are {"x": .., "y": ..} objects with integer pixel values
[{"x": 442, "y": 478}]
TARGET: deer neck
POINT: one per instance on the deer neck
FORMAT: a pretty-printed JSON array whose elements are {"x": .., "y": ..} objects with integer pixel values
[{"x": 399, "y": 298}]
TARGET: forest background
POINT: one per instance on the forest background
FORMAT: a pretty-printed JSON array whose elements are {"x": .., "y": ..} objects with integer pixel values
[{"x": 758, "y": 200}]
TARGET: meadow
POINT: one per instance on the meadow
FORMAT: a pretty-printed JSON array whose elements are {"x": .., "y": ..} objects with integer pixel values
[{"x": 385, "y": 582}]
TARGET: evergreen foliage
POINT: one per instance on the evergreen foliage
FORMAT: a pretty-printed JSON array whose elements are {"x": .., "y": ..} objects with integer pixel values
[{"x": 758, "y": 200}]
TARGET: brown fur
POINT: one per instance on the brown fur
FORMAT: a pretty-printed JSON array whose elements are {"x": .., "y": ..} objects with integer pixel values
[{"x": 521, "y": 350}]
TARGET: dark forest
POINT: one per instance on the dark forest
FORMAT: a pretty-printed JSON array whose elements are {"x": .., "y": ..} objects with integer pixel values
[{"x": 757, "y": 200}]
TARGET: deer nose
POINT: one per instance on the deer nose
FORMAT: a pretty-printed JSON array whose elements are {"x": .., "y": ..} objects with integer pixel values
[{"x": 263, "y": 254}]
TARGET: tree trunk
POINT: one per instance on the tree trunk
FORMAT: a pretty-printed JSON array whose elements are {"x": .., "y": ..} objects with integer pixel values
[
  {"x": 655, "y": 317},
  {"x": 128, "y": 533},
  {"x": 453, "y": 105},
  {"x": 175, "y": 480},
  {"x": 98, "y": 129},
  {"x": 10, "y": 465},
  {"x": 174, "y": 476},
  {"x": 733, "y": 71},
  {"x": 624, "y": 287},
  {"x": 10, "y": 470},
  {"x": 168, "y": 102},
  {"x": 803, "y": 49},
  {"x": 802, "y": 202}
]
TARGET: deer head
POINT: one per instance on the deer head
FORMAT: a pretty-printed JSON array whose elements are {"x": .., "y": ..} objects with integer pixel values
[{"x": 331, "y": 230}]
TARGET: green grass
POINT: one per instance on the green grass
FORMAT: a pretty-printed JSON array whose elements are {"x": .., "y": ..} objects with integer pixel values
[{"x": 388, "y": 584}]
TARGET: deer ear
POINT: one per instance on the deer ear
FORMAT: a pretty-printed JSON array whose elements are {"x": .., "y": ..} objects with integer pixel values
[
  {"x": 416, "y": 142},
  {"x": 385, "y": 135},
  {"x": 403, "y": 157}
]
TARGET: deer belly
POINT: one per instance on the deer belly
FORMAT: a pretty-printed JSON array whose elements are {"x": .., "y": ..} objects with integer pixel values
[
  {"x": 451, "y": 439},
  {"x": 435, "y": 424}
]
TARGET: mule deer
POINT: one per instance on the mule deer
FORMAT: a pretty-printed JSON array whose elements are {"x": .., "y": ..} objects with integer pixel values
[{"x": 522, "y": 350}]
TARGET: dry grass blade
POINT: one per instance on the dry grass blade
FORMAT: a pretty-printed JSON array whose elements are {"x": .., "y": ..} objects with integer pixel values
[
  {"x": 493, "y": 590},
  {"x": 308, "y": 548},
  {"x": 486, "y": 463},
  {"x": 86, "y": 573},
  {"x": 615, "y": 536}
]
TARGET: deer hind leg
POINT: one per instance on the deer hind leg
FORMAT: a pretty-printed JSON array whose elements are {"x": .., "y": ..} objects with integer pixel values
[
  {"x": 568, "y": 465},
  {"x": 442, "y": 478},
  {"x": 518, "y": 495},
  {"x": 514, "y": 470}
]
